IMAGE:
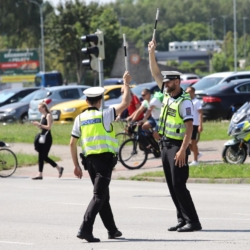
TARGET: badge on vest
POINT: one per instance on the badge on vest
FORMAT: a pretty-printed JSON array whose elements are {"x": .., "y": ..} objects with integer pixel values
[
  {"x": 171, "y": 112},
  {"x": 91, "y": 121}
]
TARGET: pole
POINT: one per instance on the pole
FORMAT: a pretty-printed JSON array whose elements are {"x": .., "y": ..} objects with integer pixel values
[
  {"x": 143, "y": 40},
  {"x": 235, "y": 38},
  {"x": 212, "y": 23},
  {"x": 244, "y": 32},
  {"x": 224, "y": 27},
  {"x": 42, "y": 37},
  {"x": 100, "y": 68},
  {"x": 42, "y": 32}
]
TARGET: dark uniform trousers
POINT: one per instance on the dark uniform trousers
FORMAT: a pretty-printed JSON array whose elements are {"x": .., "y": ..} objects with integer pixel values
[
  {"x": 176, "y": 178},
  {"x": 100, "y": 170}
]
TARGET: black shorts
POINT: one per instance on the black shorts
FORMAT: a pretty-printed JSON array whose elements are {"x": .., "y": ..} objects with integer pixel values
[{"x": 195, "y": 133}]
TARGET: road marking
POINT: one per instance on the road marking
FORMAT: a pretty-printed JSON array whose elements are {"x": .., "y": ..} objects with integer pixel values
[
  {"x": 242, "y": 214},
  {"x": 17, "y": 243},
  {"x": 153, "y": 208},
  {"x": 223, "y": 219},
  {"x": 75, "y": 204}
]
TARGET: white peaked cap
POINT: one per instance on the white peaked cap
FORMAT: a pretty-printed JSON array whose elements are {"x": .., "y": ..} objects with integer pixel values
[
  {"x": 93, "y": 91},
  {"x": 170, "y": 75}
]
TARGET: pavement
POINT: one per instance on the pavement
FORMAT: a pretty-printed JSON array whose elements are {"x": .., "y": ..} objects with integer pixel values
[{"x": 211, "y": 153}]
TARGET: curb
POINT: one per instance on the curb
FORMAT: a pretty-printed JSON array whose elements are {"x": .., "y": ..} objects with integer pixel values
[{"x": 199, "y": 180}]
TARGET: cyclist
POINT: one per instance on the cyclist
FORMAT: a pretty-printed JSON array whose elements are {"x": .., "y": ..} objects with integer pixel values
[{"x": 154, "y": 111}]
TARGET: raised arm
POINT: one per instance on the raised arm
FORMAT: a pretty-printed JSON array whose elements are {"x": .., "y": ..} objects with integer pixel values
[
  {"x": 155, "y": 71},
  {"x": 126, "y": 94}
]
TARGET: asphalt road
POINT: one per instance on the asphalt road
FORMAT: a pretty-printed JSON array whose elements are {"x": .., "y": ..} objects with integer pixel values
[{"x": 38, "y": 215}]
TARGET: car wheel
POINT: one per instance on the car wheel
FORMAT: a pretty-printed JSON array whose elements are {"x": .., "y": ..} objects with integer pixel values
[{"x": 24, "y": 118}]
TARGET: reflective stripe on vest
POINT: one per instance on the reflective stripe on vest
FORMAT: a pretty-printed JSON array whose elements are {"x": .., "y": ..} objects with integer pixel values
[
  {"x": 171, "y": 125},
  {"x": 94, "y": 138}
]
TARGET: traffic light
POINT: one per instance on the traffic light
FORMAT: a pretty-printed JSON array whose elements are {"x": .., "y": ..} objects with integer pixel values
[{"x": 95, "y": 51}]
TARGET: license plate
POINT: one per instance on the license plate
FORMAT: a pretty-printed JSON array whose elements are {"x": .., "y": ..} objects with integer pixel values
[
  {"x": 33, "y": 116},
  {"x": 55, "y": 117}
]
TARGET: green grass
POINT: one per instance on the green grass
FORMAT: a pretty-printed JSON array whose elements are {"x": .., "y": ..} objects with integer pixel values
[
  {"x": 211, "y": 171},
  {"x": 61, "y": 132},
  {"x": 23, "y": 160}
]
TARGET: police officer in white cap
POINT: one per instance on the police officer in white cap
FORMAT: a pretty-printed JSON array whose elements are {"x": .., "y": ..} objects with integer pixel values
[
  {"x": 99, "y": 148},
  {"x": 175, "y": 128}
]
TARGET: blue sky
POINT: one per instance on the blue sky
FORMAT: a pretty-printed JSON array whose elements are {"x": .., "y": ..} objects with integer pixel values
[{"x": 55, "y": 2}]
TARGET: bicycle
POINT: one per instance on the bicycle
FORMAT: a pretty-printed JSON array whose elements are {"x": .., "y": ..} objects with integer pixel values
[
  {"x": 133, "y": 152},
  {"x": 8, "y": 161}
]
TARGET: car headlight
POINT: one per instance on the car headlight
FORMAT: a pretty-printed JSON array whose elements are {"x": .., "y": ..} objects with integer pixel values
[
  {"x": 11, "y": 112},
  {"x": 68, "y": 110}
]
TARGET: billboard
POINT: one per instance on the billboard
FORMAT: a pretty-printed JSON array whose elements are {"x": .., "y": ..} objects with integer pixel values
[{"x": 18, "y": 65}]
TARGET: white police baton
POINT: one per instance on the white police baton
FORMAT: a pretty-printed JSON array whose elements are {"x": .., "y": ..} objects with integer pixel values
[
  {"x": 156, "y": 20},
  {"x": 125, "y": 52}
]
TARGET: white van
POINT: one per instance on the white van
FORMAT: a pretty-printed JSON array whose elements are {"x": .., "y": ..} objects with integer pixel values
[{"x": 217, "y": 78}]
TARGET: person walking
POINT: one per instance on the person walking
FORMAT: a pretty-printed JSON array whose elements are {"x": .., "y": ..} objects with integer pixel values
[
  {"x": 43, "y": 150},
  {"x": 99, "y": 149},
  {"x": 197, "y": 126},
  {"x": 175, "y": 129}
]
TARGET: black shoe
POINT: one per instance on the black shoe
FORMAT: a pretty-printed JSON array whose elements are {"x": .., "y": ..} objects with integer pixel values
[
  {"x": 37, "y": 178},
  {"x": 179, "y": 225},
  {"x": 114, "y": 235},
  {"x": 190, "y": 227},
  {"x": 87, "y": 236},
  {"x": 61, "y": 172}
]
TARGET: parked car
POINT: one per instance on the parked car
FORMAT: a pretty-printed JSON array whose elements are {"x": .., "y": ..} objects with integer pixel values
[
  {"x": 185, "y": 77},
  {"x": 8, "y": 96},
  {"x": 52, "y": 96},
  {"x": 152, "y": 86},
  {"x": 67, "y": 111},
  {"x": 114, "y": 81},
  {"x": 187, "y": 83},
  {"x": 220, "y": 101},
  {"x": 218, "y": 78},
  {"x": 18, "y": 111}
]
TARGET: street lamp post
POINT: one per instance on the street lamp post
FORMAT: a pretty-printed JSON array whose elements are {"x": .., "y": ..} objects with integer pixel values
[
  {"x": 212, "y": 26},
  {"x": 235, "y": 38},
  {"x": 42, "y": 32},
  {"x": 244, "y": 32},
  {"x": 224, "y": 26}
]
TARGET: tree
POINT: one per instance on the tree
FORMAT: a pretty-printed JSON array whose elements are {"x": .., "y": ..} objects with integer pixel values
[{"x": 73, "y": 20}]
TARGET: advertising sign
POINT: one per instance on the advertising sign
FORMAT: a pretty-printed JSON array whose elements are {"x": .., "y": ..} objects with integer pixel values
[{"x": 18, "y": 62}]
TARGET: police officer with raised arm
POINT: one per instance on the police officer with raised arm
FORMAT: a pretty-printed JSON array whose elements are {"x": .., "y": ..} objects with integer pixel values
[
  {"x": 99, "y": 149},
  {"x": 175, "y": 129}
]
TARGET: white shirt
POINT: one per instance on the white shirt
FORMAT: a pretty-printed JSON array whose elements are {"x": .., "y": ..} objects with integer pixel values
[
  {"x": 157, "y": 108},
  {"x": 197, "y": 107},
  {"x": 108, "y": 118}
]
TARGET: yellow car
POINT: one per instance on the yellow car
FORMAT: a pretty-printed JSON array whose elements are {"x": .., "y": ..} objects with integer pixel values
[{"x": 67, "y": 111}]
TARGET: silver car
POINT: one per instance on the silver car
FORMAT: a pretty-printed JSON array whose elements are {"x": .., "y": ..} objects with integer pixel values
[
  {"x": 18, "y": 111},
  {"x": 52, "y": 96}
]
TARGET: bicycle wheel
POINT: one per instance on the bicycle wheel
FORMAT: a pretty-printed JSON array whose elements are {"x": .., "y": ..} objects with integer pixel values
[
  {"x": 8, "y": 162},
  {"x": 130, "y": 154},
  {"x": 121, "y": 137}
]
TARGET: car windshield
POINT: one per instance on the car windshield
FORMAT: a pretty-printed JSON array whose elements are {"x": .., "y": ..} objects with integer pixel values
[
  {"x": 5, "y": 95},
  {"x": 83, "y": 97},
  {"x": 41, "y": 94},
  {"x": 28, "y": 97},
  {"x": 207, "y": 82}
]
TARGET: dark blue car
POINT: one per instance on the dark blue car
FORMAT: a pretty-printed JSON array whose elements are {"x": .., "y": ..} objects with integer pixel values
[{"x": 220, "y": 101}]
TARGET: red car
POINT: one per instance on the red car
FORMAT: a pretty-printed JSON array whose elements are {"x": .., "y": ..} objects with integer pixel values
[{"x": 186, "y": 83}]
